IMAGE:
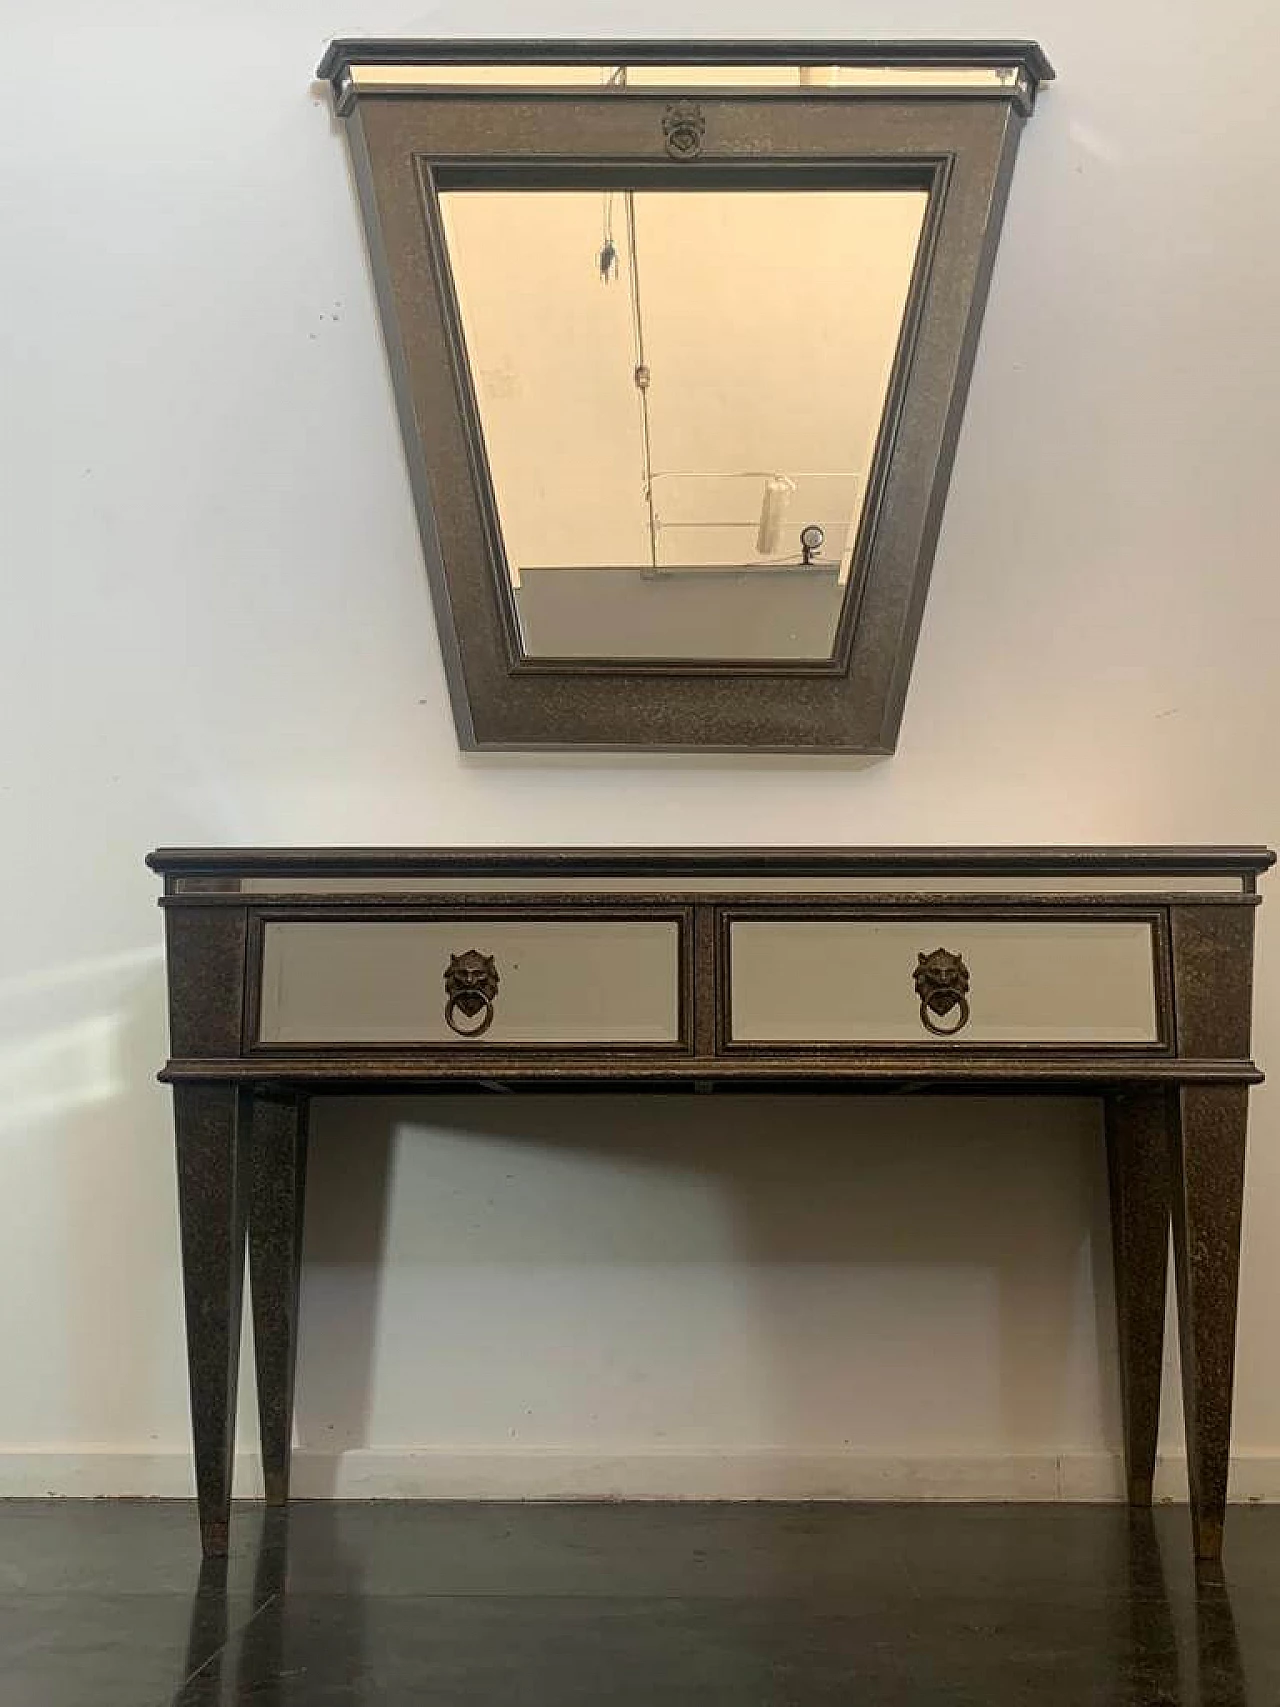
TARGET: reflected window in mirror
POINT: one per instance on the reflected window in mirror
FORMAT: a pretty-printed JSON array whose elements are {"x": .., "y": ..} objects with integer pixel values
[{"x": 680, "y": 394}]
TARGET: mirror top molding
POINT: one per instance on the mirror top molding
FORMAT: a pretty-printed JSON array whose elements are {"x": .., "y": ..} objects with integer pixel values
[{"x": 1011, "y": 70}]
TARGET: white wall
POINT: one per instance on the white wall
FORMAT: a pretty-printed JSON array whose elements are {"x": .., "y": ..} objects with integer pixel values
[{"x": 217, "y": 630}]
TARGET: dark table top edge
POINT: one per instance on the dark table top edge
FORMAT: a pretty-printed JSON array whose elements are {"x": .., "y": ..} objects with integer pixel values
[{"x": 710, "y": 861}]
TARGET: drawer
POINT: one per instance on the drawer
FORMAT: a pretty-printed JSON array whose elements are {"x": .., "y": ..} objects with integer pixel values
[
  {"x": 472, "y": 981},
  {"x": 839, "y": 980}
]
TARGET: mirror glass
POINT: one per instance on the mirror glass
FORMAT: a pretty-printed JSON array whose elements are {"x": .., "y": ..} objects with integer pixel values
[{"x": 680, "y": 394}]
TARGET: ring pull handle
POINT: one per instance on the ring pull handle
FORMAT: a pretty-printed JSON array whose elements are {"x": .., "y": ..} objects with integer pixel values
[
  {"x": 942, "y": 984},
  {"x": 470, "y": 987}
]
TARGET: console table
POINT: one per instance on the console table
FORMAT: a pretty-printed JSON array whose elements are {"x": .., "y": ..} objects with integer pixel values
[{"x": 1124, "y": 973}]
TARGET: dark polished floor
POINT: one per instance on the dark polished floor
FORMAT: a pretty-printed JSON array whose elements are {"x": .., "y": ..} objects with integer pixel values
[{"x": 105, "y": 1604}]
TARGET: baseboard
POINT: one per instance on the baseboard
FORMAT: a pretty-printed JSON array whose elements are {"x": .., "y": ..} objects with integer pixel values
[{"x": 553, "y": 1474}]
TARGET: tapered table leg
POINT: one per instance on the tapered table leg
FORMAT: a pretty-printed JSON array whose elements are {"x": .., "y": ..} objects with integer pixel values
[
  {"x": 211, "y": 1126},
  {"x": 1137, "y": 1124},
  {"x": 1207, "y": 1164},
  {"x": 279, "y": 1169}
]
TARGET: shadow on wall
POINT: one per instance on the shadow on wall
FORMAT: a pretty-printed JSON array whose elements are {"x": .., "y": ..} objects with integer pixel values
[{"x": 930, "y": 1245}]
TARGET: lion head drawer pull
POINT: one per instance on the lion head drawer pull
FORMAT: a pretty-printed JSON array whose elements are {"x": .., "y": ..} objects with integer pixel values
[
  {"x": 942, "y": 984},
  {"x": 470, "y": 985}
]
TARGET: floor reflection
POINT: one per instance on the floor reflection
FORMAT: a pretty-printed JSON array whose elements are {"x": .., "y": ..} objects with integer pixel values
[
  {"x": 1207, "y": 1669},
  {"x": 214, "y": 1668},
  {"x": 1219, "y": 1671},
  {"x": 252, "y": 1663},
  {"x": 570, "y": 1606},
  {"x": 1152, "y": 1671},
  {"x": 209, "y": 1626}
]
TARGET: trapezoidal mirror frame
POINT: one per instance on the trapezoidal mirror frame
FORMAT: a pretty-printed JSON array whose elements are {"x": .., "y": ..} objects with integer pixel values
[{"x": 945, "y": 117}]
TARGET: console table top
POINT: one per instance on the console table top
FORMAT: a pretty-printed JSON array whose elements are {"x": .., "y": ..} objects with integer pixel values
[{"x": 1244, "y": 861}]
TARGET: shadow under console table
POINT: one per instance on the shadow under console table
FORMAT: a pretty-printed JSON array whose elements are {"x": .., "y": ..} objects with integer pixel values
[{"x": 1124, "y": 973}]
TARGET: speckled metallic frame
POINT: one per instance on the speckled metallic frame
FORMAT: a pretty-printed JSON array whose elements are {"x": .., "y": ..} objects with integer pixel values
[
  {"x": 410, "y": 142},
  {"x": 1175, "y": 1112}
]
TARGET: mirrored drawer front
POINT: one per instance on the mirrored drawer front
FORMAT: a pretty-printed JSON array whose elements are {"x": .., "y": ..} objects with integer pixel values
[
  {"x": 471, "y": 982},
  {"x": 921, "y": 981}
]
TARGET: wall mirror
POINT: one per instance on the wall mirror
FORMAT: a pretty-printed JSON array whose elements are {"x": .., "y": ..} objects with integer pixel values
[{"x": 679, "y": 338}]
